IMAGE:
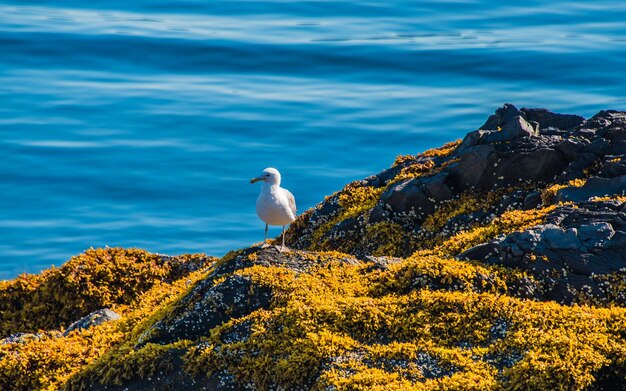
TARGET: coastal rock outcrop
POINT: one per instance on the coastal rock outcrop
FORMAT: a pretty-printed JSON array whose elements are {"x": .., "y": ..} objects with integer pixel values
[{"x": 494, "y": 262}]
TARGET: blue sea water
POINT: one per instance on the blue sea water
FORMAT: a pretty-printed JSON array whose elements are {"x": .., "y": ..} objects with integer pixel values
[{"x": 139, "y": 123}]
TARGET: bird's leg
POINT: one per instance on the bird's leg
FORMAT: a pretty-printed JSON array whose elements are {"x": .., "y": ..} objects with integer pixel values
[
  {"x": 264, "y": 245},
  {"x": 282, "y": 246}
]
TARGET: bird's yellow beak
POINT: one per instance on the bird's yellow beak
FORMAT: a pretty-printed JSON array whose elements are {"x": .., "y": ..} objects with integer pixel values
[{"x": 255, "y": 180}]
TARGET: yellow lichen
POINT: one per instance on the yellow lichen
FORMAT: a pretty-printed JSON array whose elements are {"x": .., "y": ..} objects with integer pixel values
[
  {"x": 355, "y": 199},
  {"x": 510, "y": 221},
  {"x": 442, "y": 151},
  {"x": 325, "y": 331},
  {"x": 96, "y": 279},
  {"x": 52, "y": 359},
  {"x": 388, "y": 238}
]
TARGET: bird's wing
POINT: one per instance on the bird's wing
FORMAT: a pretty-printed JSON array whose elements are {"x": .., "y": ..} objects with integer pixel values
[{"x": 292, "y": 201}]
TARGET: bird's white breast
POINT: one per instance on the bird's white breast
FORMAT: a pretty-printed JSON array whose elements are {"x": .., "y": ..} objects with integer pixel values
[{"x": 272, "y": 206}]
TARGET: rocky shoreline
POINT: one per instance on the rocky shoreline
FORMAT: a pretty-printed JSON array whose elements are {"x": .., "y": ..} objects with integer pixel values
[{"x": 494, "y": 262}]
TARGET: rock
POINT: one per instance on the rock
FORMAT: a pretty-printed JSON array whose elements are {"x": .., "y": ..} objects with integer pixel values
[
  {"x": 418, "y": 195},
  {"x": 94, "y": 319},
  {"x": 559, "y": 239},
  {"x": 532, "y": 200},
  {"x": 382, "y": 263},
  {"x": 209, "y": 305},
  {"x": 593, "y": 187},
  {"x": 502, "y": 116},
  {"x": 21, "y": 338},
  {"x": 596, "y": 234},
  {"x": 597, "y": 147},
  {"x": 514, "y": 128},
  {"x": 570, "y": 255},
  {"x": 548, "y": 119},
  {"x": 570, "y": 148},
  {"x": 472, "y": 139},
  {"x": 539, "y": 166},
  {"x": 474, "y": 167}
]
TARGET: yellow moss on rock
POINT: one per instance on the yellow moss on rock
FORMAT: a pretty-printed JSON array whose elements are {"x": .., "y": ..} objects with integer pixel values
[
  {"x": 442, "y": 151},
  {"x": 87, "y": 356},
  {"x": 333, "y": 328},
  {"x": 387, "y": 237},
  {"x": 96, "y": 279},
  {"x": 355, "y": 199},
  {"x": 510, "y": 221}
]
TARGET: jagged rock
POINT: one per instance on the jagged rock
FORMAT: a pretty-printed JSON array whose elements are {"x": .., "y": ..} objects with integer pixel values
[
  {"x": 94, "y": 319},
  {"x": 548, "y": 119},
  {"x": 502, "y": 116},
  {"x": 521, "y": 158},
  {"x": 514, "y": 128},
  {"x": 578, "y": 249}
]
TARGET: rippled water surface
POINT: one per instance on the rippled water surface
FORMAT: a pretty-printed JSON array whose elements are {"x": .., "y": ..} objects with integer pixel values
[{"x": 140, "y": 123}]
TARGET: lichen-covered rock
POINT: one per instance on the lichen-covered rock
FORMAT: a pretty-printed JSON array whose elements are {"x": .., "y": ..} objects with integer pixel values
[
  {"x": 96, "y": 279},
  {"x": 94, "y": 319},
  {"x": 491, "y": 263},
  {"x": 579, "y": 254},
  {"x": 519, "y": 159}
]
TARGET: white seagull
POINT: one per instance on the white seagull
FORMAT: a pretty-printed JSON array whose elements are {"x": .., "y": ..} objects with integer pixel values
[{"x": 275, "y": 205}]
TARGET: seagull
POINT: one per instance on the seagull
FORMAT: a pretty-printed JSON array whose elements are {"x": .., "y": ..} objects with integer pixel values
[{"x": 275, "y": 205}]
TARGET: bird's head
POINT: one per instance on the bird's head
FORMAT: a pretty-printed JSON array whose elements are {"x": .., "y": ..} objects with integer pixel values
[{"x": 269, "y": 175}]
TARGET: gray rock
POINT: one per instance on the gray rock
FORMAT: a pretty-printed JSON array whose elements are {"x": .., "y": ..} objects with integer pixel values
[
  {"x": 21, "y": 338},
  {"x": 532, "y": 200},
  {"x": 515, "y": 128},
  {"x": 471, "y": 139},
  {"x": 418, "y": 195},
  {"x": 594, "y": 187},
  {"x": 502, "y": 116},
  {"x": 548, "y": 119},
  {"x": 598, "y": 146},
  {"x": 476, "y": 166},
  {"x": 569, "y": 255},
  {"x": 539, "y": 166},
  {"x": 208, "y": 306},
  {"x": 559, "y": 239},
  {"x": 94, "y": 319},
  {"x": 381, "y": 263},
  {"x": 596, "y": 235}
]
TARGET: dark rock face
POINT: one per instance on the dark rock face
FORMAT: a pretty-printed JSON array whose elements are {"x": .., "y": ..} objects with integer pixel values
[
  {"x": 419, "y": 195},
  {"x": 94, "y": 319},
  {"x": 574, "y": 254}
]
